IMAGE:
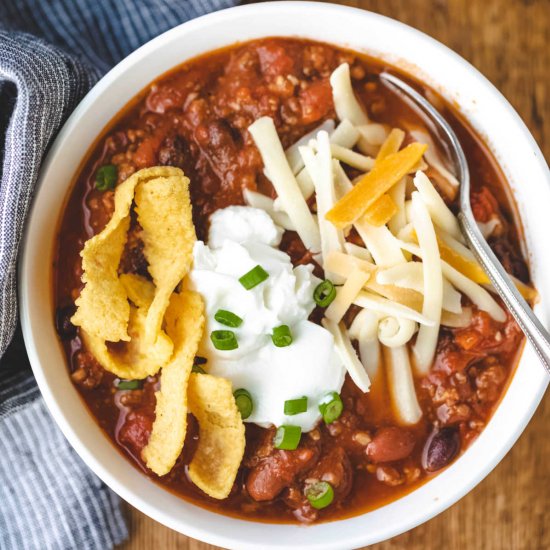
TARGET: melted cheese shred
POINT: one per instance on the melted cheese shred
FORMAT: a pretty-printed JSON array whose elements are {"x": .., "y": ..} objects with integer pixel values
[
  {"x": 345, "y": 102},
  {"x": 401, "y": 385},
  {"x": 439, "y": 211},
  {"x": 364, "y": 329},
  {"x": 346, "y": 294},
  {"x": 477, "y": 294},
  {"x": 265, "y": 136},
  {"x": 380, "y": 243},
  {"x": 347, "y": 354},
  {"x": 320, "y": 169},
  {"x": 426, "y": 341}
]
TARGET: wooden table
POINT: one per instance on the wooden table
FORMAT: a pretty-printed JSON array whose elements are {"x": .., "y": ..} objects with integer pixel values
[{"x": 509, "y": 41}]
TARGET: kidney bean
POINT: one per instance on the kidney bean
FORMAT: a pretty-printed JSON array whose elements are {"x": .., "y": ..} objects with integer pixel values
[
  {"x": 65, "y": 328},
  {"x": 440, "y": 448},
  {"x": 391, "y": 443},
  {"x": 277, "y": 471}
]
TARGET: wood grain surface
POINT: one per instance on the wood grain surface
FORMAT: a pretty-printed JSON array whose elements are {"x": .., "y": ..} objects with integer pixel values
[{"x": 509, "y": 42}]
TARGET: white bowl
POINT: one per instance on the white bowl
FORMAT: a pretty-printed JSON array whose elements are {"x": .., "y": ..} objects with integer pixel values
[{"x": 362, "y": 31}]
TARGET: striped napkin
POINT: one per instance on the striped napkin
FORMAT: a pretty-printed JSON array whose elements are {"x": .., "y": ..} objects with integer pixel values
[{"x": 51, "y": 53}]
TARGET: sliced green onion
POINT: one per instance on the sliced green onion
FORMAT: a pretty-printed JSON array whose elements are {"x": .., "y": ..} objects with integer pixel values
[
  {"x": 200, "y": 360},
  {"x": 287, "y": 437},
  {"x": 244, "y": 402},
  {"x": 128, "y": 384},
  {"x": 198, "y": 369},
  {"x": 320, "y": 494},
  {"x": 282, "y": 336},
  {"x": 224, "y": 339},
  {"x": 331, "y": 407},
  {"x": 254, "y": 277},
  {"x": 296, "y": 406},
  {"x": 324, "y": 293},
  {"x": 106, "y": 177},
  {"x": 227, "y": 318}
]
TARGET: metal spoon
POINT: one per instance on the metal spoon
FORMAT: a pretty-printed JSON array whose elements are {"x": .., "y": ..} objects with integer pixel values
[{"x": 518, "y": 307}]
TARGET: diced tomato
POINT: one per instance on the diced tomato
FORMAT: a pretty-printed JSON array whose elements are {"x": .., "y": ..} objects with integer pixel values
[
  {"x": 485, "y": 334},
  {"x": 135, "y": 431},
  {"x": 161, "y": 99},
  {"x": 274, "y": 61},
  {"x": 147, "y": 151},
  {"x": 316, "y": 101},
  {"x": 484, "y": 205}
]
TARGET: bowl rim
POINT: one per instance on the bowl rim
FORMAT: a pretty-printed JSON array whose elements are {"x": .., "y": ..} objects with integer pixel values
[{"x": 26, "y": 310}]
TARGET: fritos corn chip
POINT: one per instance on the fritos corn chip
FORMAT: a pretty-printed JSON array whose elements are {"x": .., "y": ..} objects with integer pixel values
[
  {"x": 139, "y": 290},
  {"x": 134, "y": 359},
  {"x": 385, "y": 174},
  {"x": 164, "y": 212},
  {"x": 184, "y": 324},
  {"x": 103, "y": 309},
  {"x": 221, "y": 437}
]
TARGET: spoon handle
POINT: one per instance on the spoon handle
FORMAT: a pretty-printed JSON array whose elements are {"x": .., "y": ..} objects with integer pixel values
[
  {"x": 518, "y": 307},
  {"x": 514, "y": 301}
]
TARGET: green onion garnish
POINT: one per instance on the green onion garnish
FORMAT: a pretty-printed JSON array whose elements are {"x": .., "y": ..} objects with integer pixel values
[
  {"x": 244, "y": 402},
  {"x": 254, "y": 277},
  {"x": 106, "y": 177},
  {"x": 320, "y": 494},
  {"x": 324, "y": 293},
  {"x": 282, "y": 336},
  {"x": 287, "y": 437},
  {"x": 224, "y": 339},
  {"x": 128, "y": 384},
  {"x": 296, "y": 406},
  {"x": 198, "y": 369},
  {"x": 227, "y": 318},
  {"x": 331, "y": 407}
]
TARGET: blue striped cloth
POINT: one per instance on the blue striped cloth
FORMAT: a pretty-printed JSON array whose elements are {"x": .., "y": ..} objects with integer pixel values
[{"x": 51, "y": 53}]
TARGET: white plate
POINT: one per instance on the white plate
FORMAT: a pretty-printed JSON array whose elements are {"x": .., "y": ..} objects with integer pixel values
[{"x": 385, "y": 38}]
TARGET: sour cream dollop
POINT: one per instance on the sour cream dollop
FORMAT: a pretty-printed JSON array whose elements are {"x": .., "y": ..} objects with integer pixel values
[{"x": 239, "y": 239}]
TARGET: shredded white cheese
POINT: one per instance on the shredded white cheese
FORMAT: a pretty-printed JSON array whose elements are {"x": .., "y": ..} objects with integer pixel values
[
  {"x": 373, "y": 133},
  {"x": 372, "y": 136},
  {"x": 257, "y": 200},
  {"x": 351, "y": 158},
  {"x": 432, "y": 156},
  {"x": 426, "y": 341},
  {"x": 399, "y": 219},
  {"x": 380, "y": 243},
  {"x": 265, "y": 136},
  {"x": 411, "y": 276},
  {"x": 358, "y": 252},
  {"x": 344, "y": 264},
  {"x": 439, "y": 211},
  {"x": 346, "y": 294},
  {"x": 342, "y": 184},
  {"x": 364, "y": 329},
  {"x": 305, "y": 183},
  {"x": 347, "y": 355},
  {"x": 401, "y": 385},
  {"x": 345, "y": 102},
  {"x": 320, "y": 170},
  {"x": 395, "y": 331},
  {"x": 345, "y": 134},
  {"x": 457, "y": 246},
  {"x": 454, "y": 320},
  {"x": 293, "y": 154},
  {"x": 386, "y": 307},
  {"x": 477, "y": 294},
  {"x": 488, "y": 228}
]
